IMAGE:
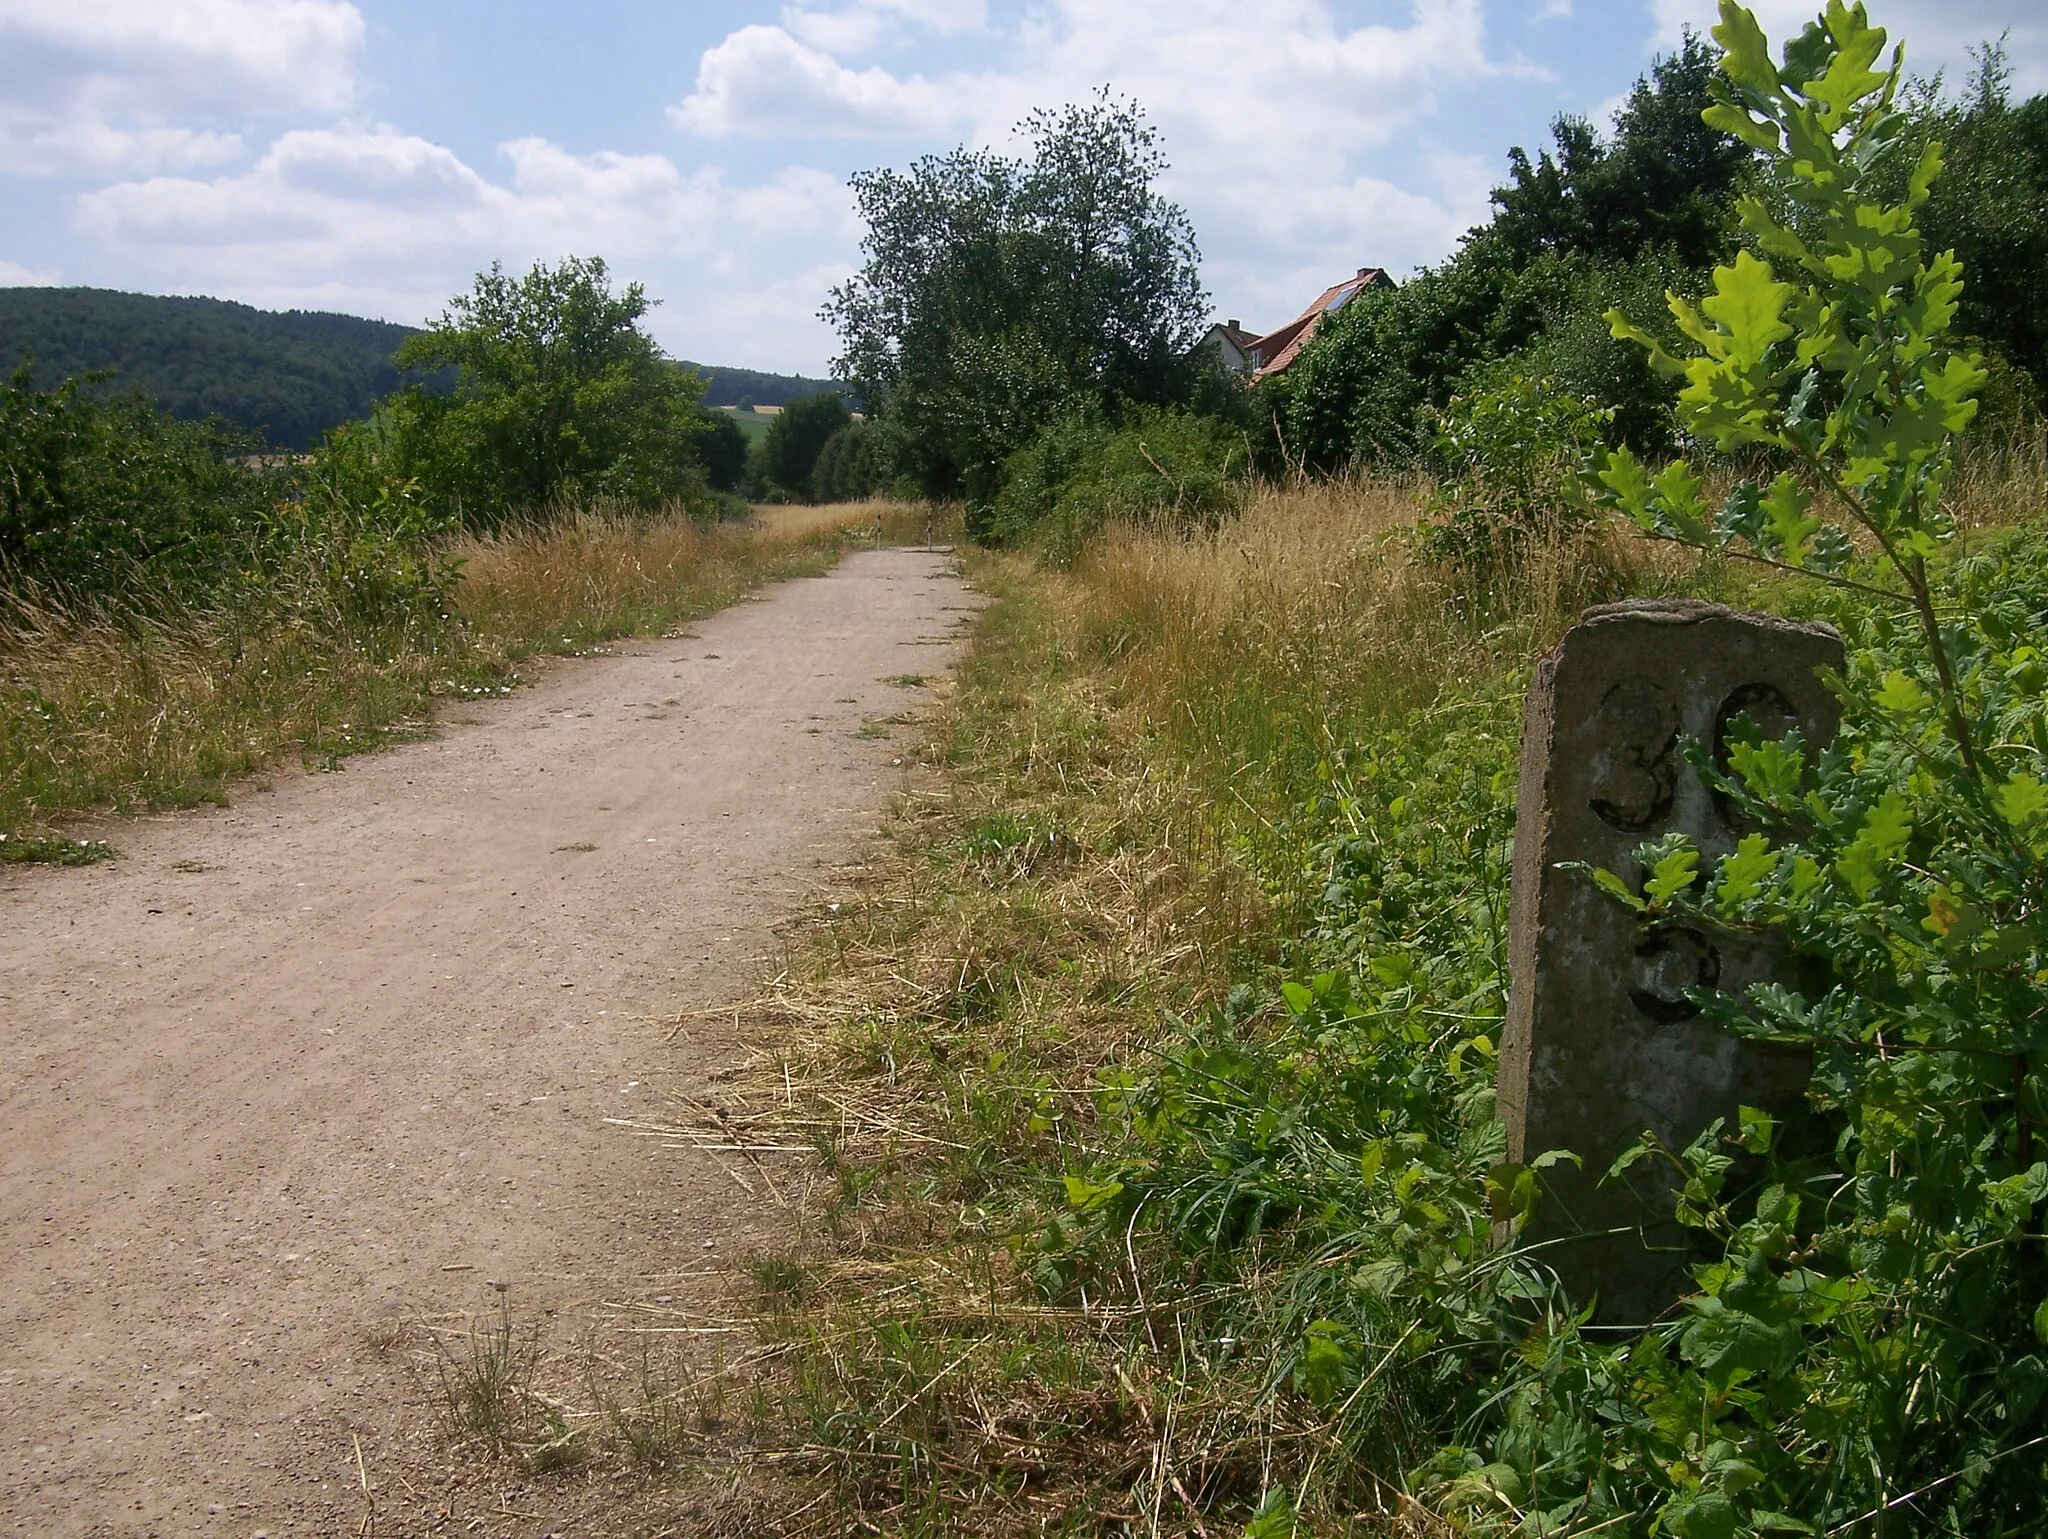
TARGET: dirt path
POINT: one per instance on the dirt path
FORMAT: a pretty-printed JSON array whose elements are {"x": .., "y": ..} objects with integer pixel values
[{"x": 286, "y": 1075}]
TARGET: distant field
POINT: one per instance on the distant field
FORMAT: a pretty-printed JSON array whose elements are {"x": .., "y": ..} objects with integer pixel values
[{"x": 751, "y": 422}]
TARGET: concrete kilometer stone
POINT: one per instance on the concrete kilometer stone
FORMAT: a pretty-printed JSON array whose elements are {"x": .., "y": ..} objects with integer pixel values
[{"x": 1601, "y": 1043}]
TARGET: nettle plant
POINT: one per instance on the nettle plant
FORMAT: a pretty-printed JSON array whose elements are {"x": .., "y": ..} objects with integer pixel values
[{"x": 1866, "y": 1356}]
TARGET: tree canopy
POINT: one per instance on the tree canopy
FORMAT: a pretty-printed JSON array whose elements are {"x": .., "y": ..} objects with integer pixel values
[
  {"x": 1665, "y": 179},
  {"x": 1990, "y": 206},
  {"x": 998, "y": 291},
  {"x": 796, "y": 437},
  {"x": 560, "y": 395}
]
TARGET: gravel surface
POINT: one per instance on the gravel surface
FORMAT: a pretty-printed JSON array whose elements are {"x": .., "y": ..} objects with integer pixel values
[{"x": 287, "y": 1079}]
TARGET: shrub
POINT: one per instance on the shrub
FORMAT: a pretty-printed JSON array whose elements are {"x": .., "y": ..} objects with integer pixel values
[
  {"x": 1866, "y": 1350},
  {"x": 1082, "y": 472},
  {"x": 850, "y": 466},
  {"x": 117, "y": 499},
  {"x": 1509, "y": 451},
  {"x": 722, "y": 447},
  {"x": 560, "y": 397}
]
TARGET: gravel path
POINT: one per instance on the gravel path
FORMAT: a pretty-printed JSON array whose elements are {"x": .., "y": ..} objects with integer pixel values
[{"x": 286, "y": 1076}]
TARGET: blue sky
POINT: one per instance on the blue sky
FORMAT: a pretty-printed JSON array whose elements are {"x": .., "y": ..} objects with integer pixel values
[{"x": 371, "y": 156}]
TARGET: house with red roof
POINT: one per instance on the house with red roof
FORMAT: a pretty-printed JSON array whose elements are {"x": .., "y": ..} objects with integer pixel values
[{"x": 1272, "y": 353}]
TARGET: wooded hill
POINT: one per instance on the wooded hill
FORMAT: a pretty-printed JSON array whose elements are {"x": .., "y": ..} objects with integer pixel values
[
  {"x": 750, "y": 387},
  {"x": 290, "y": 376}
]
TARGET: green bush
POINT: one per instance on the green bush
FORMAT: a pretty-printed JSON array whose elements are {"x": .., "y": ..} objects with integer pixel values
[
  {"x": 1082, "y": 472},
  {"x": 722, "y": 447},
  {"x": 1865, "y": 1351},
  {"x": 358, "y": 552},
  {"x": 1368, "y": 389},
  {"x": 850, "y": 466},
  {"x": 117, "y": 499},
  {"x": 1509, "y": 453}
]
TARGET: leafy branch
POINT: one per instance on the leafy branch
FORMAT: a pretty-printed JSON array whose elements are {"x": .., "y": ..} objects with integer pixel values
[{"x": 1843, "y": 365}]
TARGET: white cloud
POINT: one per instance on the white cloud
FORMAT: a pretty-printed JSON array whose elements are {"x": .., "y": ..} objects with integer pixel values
[
  {"x": 1938, "y": 33},
  {"x": 388, "y": 223},
  {"x": 1241, "y": 74},
  {"x": 861, "y": 26},
  {"x": 138, "y": 85},
  {"x": 14, "y": 276},
  {"x": 763, "y": 80},
  {"x": 1267, "y": 111}
]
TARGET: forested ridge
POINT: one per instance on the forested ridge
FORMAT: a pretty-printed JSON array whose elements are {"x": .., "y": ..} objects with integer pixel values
[{"x": 290, "y": 376}]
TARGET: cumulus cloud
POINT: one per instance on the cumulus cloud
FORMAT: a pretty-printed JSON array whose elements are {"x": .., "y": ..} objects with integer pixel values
[
  {"x": 1938, "y": 34},
  {"x": 1241, "y": 74},
  {"x": 391, "y": 223},
  {"x": 137, "y": 85},
  {"x": 762, "y": 76},
  {"x": 1268, "y": 111},
  {"x": 860, "y": 27}
]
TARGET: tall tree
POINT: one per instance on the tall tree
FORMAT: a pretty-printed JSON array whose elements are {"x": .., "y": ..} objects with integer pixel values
[
  {"x": 1665, "y": 179},
  {"x": 795, "y": 438},
  {"x": 999, "y": 291},
  {"x": 1991, "y": 207},
  {"x": 560, "y": 395}
]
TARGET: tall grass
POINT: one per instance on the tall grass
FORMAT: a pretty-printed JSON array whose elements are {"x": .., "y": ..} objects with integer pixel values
[
  {"x": 1138, "y": 760},
  {"x": 119, "y": 710},
  {"x": 1254, "y": 652},
  {"x": 1149, "y": 771}
]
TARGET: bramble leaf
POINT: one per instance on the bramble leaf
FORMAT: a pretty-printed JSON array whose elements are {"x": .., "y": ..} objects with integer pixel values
[
  {"x": 1757, "y": 1129},
  {"x": 1087, "y": 1196}
]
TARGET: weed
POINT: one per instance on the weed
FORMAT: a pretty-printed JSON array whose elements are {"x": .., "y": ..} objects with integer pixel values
[
  {"x": 664, "y": 1422},
  {"x": 53, "y": 850},
  {"x": 488, "y": 1393},
  {"x": 1139, "y": 761},
  {"x": 907, "y": 680}
]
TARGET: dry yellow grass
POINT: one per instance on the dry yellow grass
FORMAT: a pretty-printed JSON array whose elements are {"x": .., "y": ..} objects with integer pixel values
[
  {"x": 582, "y": 577},
  {"x": 1105, "y": 839},
  {"x": 901, "y": 523},
  {"x": 116, "y": 714},
  {"x": 1114, "y": 827}
]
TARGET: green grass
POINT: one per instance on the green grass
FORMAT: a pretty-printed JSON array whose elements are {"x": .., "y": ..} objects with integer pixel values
[
  {"x": 752, "y": 423},
  {"x": 1091, "y": 1244}
]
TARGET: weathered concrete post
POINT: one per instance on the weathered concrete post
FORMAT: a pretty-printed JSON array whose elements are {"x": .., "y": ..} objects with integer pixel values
[{"x": 1600, "y": 1042}]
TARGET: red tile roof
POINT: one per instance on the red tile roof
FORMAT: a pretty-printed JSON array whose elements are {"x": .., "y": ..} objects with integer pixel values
[{"x": 1277, "y": 349}]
